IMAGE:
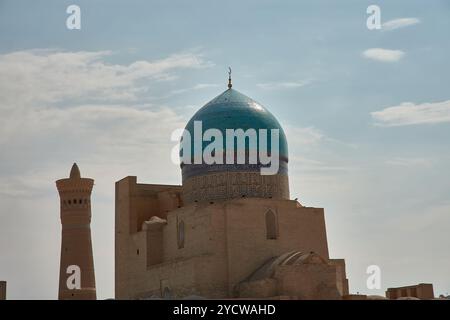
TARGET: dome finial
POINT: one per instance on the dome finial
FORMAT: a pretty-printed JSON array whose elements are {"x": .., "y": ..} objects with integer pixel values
[{"x": 229, "y": 78}]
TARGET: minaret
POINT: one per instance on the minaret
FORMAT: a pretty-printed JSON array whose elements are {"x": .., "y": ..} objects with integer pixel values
[{"x": 76, "y": 275}]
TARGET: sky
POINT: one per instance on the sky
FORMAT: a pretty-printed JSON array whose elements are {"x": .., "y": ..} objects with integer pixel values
[{"x": 366, "y": 114}]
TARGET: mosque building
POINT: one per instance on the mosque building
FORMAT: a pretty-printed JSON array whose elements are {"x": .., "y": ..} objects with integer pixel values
[{"x": 228, "y": 231}]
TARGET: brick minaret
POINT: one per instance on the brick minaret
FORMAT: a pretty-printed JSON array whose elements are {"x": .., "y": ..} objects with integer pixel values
[{"x": 76, "y": 244}]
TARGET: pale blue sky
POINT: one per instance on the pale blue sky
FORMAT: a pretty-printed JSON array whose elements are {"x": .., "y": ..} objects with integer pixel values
[{"x": 139, "y": 69}]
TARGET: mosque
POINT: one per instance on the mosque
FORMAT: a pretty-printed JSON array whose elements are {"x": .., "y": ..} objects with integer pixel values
[{"x": 228, "y": 231}]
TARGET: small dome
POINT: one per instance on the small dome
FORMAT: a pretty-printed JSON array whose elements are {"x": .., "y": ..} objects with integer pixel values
[{"x": 267, "y": 270}]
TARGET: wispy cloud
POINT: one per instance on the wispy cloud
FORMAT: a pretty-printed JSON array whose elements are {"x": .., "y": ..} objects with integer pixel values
[
  {"x": 409, "y": 114},
  {"x": 301, "y": 136},
  {"x": 410, "y": 162},
  {"x": 312, "y": 166},
  {"x": 283, "y": 85},
  {"x": 399, "y": 23},
  {"x": 306, "y": 144},
  {"x": 383, "y": 55},
  {"x": 52, "y": 75},
  {"x": 199, "y": 86}
]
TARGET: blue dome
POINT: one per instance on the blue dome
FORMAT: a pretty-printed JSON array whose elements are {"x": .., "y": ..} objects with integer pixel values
[{"x": 233, "y": 110}]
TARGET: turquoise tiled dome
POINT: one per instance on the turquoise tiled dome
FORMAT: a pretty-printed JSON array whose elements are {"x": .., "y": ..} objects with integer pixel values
[{"x": 234, "y": 110}]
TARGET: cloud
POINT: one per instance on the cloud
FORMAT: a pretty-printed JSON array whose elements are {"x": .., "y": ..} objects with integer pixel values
[
  {"x": 300, "y": 137},
  {"x": 383, "y": 55},
  {"x": 410, "y": 162},
  {"x": 51, "y": 76},
  {"x": 60, "y": 106},
  {"x": 199, "y": 86},
  {"x": 399, "y": 23},
  {"x": 282, "y": 85},
  {"x": 107, "y": 136},
  {"x": 306, "y": 145},
  {"x": 409, "y": 114}
]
